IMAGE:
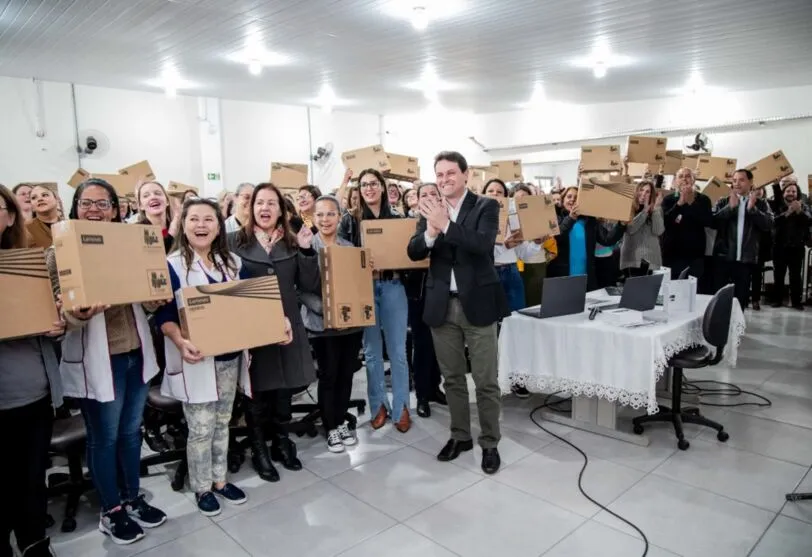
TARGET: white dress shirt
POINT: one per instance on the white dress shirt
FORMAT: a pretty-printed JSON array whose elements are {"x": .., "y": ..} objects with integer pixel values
[
  {"x": 740, "y": 227},
  {"x": 524, "y": 251},
  {"x": 455, "y": 212}
]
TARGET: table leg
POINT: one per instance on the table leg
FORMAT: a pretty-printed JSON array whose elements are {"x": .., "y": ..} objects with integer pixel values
[{"x": 596, "y": 416}]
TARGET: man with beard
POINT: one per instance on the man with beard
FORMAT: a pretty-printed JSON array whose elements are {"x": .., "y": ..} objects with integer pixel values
[{"x": 792, "y": 221}]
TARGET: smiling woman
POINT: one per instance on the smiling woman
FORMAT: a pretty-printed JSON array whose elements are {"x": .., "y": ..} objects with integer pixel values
[
  {"x": 46, "y": 210},
  {"x": 156, "y": 210}
]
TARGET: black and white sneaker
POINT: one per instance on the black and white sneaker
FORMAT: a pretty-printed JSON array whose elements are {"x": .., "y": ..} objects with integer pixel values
[
  {"x": 348, "y": 436},
  {"x": 231, "y": 493},
  {"x": 122, "y": 529},
  {"x": 521, "y": 392},
  {"x": 207, "y": 504},
  {"x": 334, "y": 444},
  {"x": 144, "y": 514}
]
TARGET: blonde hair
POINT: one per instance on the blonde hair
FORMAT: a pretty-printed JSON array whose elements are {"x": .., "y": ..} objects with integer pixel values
[{"x": 142, "y": 215}]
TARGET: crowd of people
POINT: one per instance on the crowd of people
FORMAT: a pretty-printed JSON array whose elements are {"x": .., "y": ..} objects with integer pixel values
[{"x": 104, "y": 359}]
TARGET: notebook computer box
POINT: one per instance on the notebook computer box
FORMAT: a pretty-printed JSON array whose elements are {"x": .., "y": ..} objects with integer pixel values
[
  {"x": 639, "y": 293},
  {"x": 560, "y": 296}
]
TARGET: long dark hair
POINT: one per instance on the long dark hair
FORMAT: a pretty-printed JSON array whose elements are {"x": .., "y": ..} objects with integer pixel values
[
  {"x": 219, "y": 247},
  {"x": 496, "y": 181},
  {"x": 246, "y": 233},
  {"x": 111, "y": 192},
  {"x": 13, "y": 237},
  {"x": 363, "y": 211}
]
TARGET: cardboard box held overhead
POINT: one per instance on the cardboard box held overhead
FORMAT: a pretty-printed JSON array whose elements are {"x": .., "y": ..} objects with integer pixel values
[
  {"x": 674, "y": 160},
  {"x": 359, "y": 160},
  {"x": 509, "y": 171},
  {"x": 646, "y": 149},
  {"x": 347, "y": 288},
  {"x": 289, "y": 175},
  {"x": 179, "y": 190},
  {"x": 123, "y": 184},
  {"x": 402, "y": 167},
  {"x": 138, "y": 172},
  {"x": 78, "y": 177},
  {"x": 770, "y": 169},
  {"x": 715, "y": 189},
  {"x": 722, "y": 168},
  {"x": 606, "y": 200},
  {"x": 26, "y": 300},
  {"x": 537, "y": 216},
  {"x": 478, "y": 176},
  {"x": 232, "y": 316},
  {"x": 387, "y": 239},
  {"x": 110, "y": 263},
  {"x": 601, "y": 158},
  {"x": 639, "y": 169}
]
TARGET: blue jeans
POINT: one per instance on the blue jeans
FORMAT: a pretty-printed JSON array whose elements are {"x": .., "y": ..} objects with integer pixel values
[
  {"x": 391, "y": 319},
  {"x": 114, "y": 432},
  {"x": 513, "y": 285}
]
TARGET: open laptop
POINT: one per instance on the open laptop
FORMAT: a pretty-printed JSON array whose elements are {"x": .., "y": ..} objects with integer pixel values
[
  {"x": 639, "y": 293},
  {"x": 560, "y": 296}
]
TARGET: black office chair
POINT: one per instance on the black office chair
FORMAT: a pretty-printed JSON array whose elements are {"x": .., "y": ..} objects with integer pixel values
[
  {"x": 715, "y": 328},
  {"x": 163, "y": 412},
  {"x": 68, "y": 440},
  {"x": 686, "y": 272}
]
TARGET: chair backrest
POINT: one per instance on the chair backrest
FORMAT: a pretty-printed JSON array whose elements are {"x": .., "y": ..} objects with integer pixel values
[
  {"x": 716, "y": 321},
  {"x": 684, "y": 274}
]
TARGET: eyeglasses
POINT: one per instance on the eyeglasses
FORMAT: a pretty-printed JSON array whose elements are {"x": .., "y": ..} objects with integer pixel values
[
  {"x": 370, "y": 185},
  {"x": 101, "y": 204}
]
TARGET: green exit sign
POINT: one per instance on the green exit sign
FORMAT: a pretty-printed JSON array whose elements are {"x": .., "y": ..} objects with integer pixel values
[{"x": 213, "y": 176}]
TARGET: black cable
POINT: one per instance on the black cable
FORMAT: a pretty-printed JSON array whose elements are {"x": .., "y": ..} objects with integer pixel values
[
  {"x": 692, "y": 388},
  {"x": 547, "y": 404}
]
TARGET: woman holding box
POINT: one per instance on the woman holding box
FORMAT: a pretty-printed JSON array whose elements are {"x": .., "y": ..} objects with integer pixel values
[
  {"x": 336, "y": 349},
  {"x": 391, "y": 312},
  {"x": 155, "y": 209},
  {"x": 30, "y": 388},
  {"x": 107, "y": 367},
  {"x": 642, "y": 238},
  {"x": 535, "y": 266},
  {"x": 46, "y": 213},
  {"x": 266, "y": 246},
  {"x": 206, "y": 386}
]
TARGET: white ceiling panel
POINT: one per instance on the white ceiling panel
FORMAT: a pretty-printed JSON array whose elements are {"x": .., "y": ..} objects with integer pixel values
[{"x": 492, "y": 51}]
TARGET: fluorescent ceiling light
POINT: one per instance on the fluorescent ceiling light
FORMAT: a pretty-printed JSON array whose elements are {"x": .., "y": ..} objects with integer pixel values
[
  {"x": 420, "y": 18},
  {"x": 422, "y": 12}
]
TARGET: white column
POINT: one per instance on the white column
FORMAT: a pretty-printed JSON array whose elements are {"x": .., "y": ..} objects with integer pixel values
[{"x": 211, "y": 146}]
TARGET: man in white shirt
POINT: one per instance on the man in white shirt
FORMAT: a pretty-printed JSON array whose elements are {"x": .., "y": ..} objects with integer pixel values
[{"x": 464, "y": 301}]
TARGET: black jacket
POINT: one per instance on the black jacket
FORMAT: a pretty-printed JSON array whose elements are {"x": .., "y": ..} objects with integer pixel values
[
  {"x": 791, "y": 230},
  {"x": 685, "y": 225},
  {"x": 596, "y": 233},
  {"x": 467, "y": 248},
  {"x": 757, "y": 220}
]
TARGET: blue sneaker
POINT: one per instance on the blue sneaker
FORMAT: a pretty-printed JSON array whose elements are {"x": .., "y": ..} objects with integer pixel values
[
  {"x": 144, "y": 514},
  {"x": 231, "y": 493},
  {"x": 207, "y": 504},
  {"x": 120, "y": 527}
]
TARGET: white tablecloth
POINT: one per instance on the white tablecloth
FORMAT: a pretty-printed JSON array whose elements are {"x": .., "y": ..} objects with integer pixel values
[{"x": 595, "y": 359}]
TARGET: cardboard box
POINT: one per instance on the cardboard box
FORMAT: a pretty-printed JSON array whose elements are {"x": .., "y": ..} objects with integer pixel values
[
  {"x": 770, "y": 169},
  {"x": 601, "y": 158},
  {"x": 403, "y": 167},
  {"x": 708, "y": 167},
  {"x": 179, "y": 190},
  {"x": 289, "y": 175},
  {"x": 232, "y": 316},
  {"x": 647, "y": 149},
  {"x": 537, "y": 216},
  {"x": 478, "y": 176},
  {"x": 26, "y": 299},
  {"x": 78, "y": 177},
  {"x": 368, "y": 157},
  {"x": 639, "y": 169},
  {"x": 140, "y": 171},
  {"x": 504, "y": 217},
  {"x": 606, "y": 200},
  {"x": 674, "y": 160},
  {"x": 716, "y": 189},
  {"x": 509, "y": 171},
  {"x": 110, "y": 263},
  {"x": 387, "y": 239},
  {"x": 123, "y": 184},
  {"x": 347, "y": 287}
]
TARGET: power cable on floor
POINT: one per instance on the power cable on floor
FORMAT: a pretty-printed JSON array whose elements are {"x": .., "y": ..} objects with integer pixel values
[
  {"x": 720, "y": 388},
  {"x": 552, "y": 406}
]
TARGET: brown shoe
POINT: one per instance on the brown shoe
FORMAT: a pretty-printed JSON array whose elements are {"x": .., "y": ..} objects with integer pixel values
[
  {"x": 405, "y": 422},
  {"x": 379, "y": 419}
]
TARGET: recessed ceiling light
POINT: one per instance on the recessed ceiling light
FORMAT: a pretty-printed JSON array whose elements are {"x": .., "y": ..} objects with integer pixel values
[
  {"x": 255, "y": 67},
  {"x": 257, "y": 58},
  {"x": 422, "y": 12},
  {"x": 696, "y": 86},
  {"x": 602, "y": 59},
  {"x": 430, "y": 83},
  {"x": 327, "y": 99},
  {"x": 171, "y": 81},
  {"x": 420, "y": 18}
]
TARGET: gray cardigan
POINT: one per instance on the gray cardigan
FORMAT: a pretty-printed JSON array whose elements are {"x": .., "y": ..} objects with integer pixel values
[
  {"x": 312, "y": 305},
  {"x": 642, "y": 240}
]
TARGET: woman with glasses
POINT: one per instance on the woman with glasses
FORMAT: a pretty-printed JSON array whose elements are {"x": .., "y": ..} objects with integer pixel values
[
  {"x": 305, "y": 205},
  {"x": 22, "y": 192},
  {"x": 46, "y": 213},
  {"x": 107, "y": 368},
  {"x": 30, "y": 389},
  {"x": 241, "y": 209},
  {"x": 391, "y": 311}
]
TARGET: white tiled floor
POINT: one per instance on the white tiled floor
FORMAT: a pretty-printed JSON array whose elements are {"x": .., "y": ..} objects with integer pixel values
[{"x": 390, "y": 496}]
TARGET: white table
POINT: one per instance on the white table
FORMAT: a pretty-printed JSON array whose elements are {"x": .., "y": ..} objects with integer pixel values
[{"x": 602, "y": 366}]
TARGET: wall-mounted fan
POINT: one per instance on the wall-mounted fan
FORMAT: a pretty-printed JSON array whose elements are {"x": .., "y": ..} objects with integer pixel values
[
  {"x": 92, "y": 144},
  {"x": 322, "y": 155},
  {"x": 701, "y": 143}
]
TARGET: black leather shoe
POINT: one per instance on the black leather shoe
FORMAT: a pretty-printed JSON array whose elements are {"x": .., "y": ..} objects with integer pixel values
[
  {"x": 283, "y": 450},
  {"x": 423, "y": 409},
  {"x": 261, "y": 458},
  {"x": 490, "y": 461},
  {"x": 453, "y": 449},
  {"x": 439, "y": 398}
]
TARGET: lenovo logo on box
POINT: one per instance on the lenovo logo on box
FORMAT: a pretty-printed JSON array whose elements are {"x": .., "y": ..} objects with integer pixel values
[{"x": 94, "y": 239}]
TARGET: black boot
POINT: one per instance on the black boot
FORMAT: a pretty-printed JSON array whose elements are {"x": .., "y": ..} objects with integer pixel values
[
  {"x": 40, "y": 549},
  {"x": 284, "y": 450},
  {"x": 261, "y": 458}
]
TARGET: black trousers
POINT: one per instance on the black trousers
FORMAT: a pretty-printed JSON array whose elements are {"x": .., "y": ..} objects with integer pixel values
[
  {"x": 270, "y": 410},
  {"x": 738, "y": 274},
  {"x": 607, "y": 270},
  {"x": 789, "y": 259},
  {"x": 26, "y": 432},
  {"x": 427, "y": 374},
  {"x": 757, "y": 282},
  {"x": 337, "y": 357}
]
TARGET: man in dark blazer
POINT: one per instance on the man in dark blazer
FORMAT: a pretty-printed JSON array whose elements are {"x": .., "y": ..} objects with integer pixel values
[{"x": 463, "y": 302}]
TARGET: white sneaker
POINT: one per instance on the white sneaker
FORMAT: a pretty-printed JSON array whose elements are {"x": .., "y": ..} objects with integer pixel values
[
  {"x": 334, "y": 444},
  {"x": 348, "y": 437}
]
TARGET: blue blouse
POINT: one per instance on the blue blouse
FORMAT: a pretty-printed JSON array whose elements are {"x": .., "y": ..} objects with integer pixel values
[{"x": 578, "y": 248}]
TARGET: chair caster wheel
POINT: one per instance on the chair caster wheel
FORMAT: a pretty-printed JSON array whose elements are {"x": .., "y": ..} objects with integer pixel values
[
  {"x": 683, "y": 445},
  {"x": 312, "y": 433},
  {"x": 638, "y": 429},
  {"x": 722, "y": 436},
  {"x": 177, "y": 484},
  {"x": 68, "y": 525},
  {"x": 362, "y": 408},
  {"x": 235, "y": 461},
  {"x": 299, "y": 434}
]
